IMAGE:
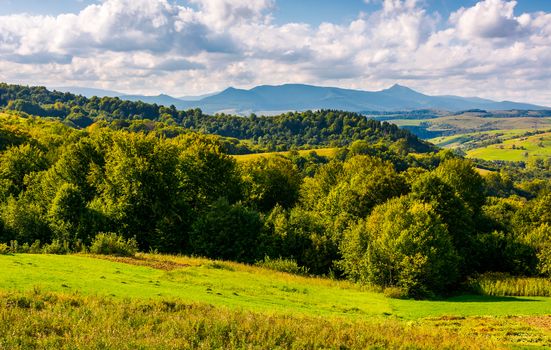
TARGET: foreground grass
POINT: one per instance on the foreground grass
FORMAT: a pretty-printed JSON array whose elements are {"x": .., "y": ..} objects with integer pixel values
[
  {"x": 61, "y": 321},
  {"x": 237, "y": 286},
  {"x": 155, "y": 301}
]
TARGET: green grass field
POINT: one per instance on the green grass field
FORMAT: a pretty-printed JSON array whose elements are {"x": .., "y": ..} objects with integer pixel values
[
  {"x": 462, "y": 140},
  {"x": 466, "y": 123},
  {"x": 239, "y": 286},
  {"x": 516, "y": 148},
  {"x": 154, "y": 279},
  {"x": 325, "y": 152}
]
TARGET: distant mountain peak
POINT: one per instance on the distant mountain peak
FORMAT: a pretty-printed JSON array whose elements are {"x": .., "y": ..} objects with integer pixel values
[
  {"x": 398, "y": 87},
  {"x": 275, "y": 99}
]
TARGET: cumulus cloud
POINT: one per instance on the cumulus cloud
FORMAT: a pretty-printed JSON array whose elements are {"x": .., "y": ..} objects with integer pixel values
[
  {"x": 489, "y": 19},
  {"x": 148, "y": 46},
  {"x": 220, "y": 14}
]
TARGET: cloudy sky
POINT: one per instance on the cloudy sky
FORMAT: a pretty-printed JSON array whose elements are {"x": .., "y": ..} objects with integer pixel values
[{"x": 492, "y": 48}]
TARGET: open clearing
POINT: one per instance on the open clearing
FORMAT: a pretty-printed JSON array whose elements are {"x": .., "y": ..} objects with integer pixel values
[
  {"x": 237, "y": 285},
  {"x": 519, "y": 148},
  {"x": 324, "y": 152},
  {"x": 152, "y": 282}
]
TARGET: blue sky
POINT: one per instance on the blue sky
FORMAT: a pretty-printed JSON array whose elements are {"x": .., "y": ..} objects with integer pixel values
[
  {"x": 496, "y": 49},
  {"x": 309, "y": 11}
]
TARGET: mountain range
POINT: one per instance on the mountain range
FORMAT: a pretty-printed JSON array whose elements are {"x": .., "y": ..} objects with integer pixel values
[{"x": 270, "y": 99}]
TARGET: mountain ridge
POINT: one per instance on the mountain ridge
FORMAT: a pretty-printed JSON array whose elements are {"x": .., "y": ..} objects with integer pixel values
[{"x": 275, "y": 99}]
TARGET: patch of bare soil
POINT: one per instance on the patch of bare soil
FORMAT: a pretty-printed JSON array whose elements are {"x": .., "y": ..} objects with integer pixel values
[{"x": 160, "y": 264}]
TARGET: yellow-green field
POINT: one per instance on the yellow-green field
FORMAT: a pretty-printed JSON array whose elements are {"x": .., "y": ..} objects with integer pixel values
[
  {"x": 154, "y": 301},
  {"x": 462, "y": 140},
  {"x": 465, "y": 123},
  {"x": 516, "y": 148},
  {"x": 325, "y": 152}
]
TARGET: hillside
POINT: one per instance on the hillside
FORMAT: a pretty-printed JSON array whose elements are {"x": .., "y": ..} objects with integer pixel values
[
  {"x": 470, "y": 123},
  {"x": 308, "y": 129},
  {"x": 268, "y": 99},
  {"x": 271, "y": 100},
  {"x": 181, "y": 284},
  {"x": 520, "y": 147}
]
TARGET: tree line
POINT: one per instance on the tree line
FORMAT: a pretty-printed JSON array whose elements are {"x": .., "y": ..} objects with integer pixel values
[
  {"x": 374, "y": 213},
  {"x": 279, "y": 133}
]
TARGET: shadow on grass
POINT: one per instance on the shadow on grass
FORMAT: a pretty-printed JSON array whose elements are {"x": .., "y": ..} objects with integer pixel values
[{"x": 486, "y": 299}]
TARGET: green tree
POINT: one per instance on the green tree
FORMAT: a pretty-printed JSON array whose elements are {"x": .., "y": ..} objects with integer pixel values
[
  {"x": 15, "y": 164},
  {"x": 271, "y": 181},
  {"x": 227, "y": 231},
  {"x": 141, "y": 193},
  {"x": 465, "y": 181},
  {"x": 366, "y": 182},
  {"x": 403, "y": 243},
  {"x": 206, "y": 173}
]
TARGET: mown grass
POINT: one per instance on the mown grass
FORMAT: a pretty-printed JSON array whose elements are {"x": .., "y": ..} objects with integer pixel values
[
  {"x": 158, "y": 301},
  {"x": 236, "y": 286},
  {"x": 190, "y": 280},
  {"x": 62, "y": 321},
  {"x": 325, "y": 152}
]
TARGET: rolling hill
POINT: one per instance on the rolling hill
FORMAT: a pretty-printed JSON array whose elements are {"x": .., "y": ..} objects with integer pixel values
[{"x": 275, "y": 99}]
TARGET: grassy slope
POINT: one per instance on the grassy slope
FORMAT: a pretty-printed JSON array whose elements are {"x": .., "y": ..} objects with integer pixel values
[
  {"x": 238, "y": 286},
  {"x": 470, "y": 123},
  {"x": 458, "y": 140},
  {"x": 326, "y": 152},
  {"x": 538, "y": 146}
]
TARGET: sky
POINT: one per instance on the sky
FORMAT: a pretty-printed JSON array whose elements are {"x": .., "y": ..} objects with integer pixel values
[{"x": 495, "y": 49}]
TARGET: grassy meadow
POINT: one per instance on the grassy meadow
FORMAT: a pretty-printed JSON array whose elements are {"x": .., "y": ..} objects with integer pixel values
[
  {"x": 517, "y": 148},
  {"x": 324, "y": 152},
  {"x": 182, "y": 302},
  {"x": 478, "y": 135},
  {"x": 469, "y": 123}
]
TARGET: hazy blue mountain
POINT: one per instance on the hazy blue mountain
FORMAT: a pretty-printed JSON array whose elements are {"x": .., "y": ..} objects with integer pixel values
[
  {"x": 161, "y": 99},
  {"x": 196, "y": 98},
  {"x": 88, "y": 92},
  {"x": 270, "y": 99},
  {"x": 289, "y": 97}
]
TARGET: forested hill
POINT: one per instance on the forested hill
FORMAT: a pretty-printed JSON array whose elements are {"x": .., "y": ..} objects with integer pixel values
[{"x": 282, "y": 132}]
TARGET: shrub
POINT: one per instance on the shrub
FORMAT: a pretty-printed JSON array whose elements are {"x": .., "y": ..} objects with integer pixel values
[
  {"x": 113, "y": 244},
  {"x": 395, "y": 293},
  {"x": 227, "y": 232},
  {"x": 56, "y": 247},
  {"x": 283, "y": 265},
  {"x": 35, "y": 248},
  {"x": 4, "y": 249},
  {"x": 402, "y": 244}
]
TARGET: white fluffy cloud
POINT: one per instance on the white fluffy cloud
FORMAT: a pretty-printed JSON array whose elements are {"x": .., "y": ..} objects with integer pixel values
[
  {"x": 149, "y": 46},
  {"x": 489, "y": 19}
]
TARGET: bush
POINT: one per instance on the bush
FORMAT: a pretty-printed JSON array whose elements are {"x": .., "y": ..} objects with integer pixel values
[
  {"x": 283, "y": 265},
  {"x": 402, "y": 244},
  {"x": 35, "y": 248},
  {"x": 4, "y": 249},
  {"x": 395, "y": 293},
  {"x": 113, "y": 244},
  {"x": 56, "y": 247},
  {"x": 227, "y": 232}
]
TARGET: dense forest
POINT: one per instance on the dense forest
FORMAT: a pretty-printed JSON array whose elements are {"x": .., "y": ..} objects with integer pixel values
[
  {"x": 376, "y": 212},
  {"x": 279, "y": 133}
]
